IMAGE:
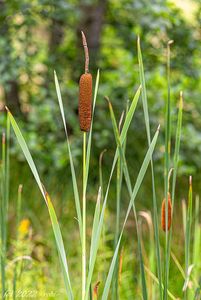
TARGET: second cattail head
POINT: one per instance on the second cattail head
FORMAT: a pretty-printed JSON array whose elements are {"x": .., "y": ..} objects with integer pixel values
[
  {"x": 85, "y": 93},
  {"x": 163, "y": 213}
]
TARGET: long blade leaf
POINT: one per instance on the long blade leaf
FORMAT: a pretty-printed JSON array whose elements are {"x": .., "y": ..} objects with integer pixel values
[
  {"x": 134, "y": 193},
  {"x": 155, "y": 210},
  {"x": 125, "y": 128},
  {"x": 75, "y": 187},
  {"x": 53, "y": 217}
]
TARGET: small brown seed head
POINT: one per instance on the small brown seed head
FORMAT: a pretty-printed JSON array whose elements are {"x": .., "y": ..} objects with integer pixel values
[
  {"x": 85, "y": 101},
  {"x": 163, "y": 209}
]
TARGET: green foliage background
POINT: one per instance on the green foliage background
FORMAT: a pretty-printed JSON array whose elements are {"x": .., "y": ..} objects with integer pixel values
[{"x": 40, "y": 36}]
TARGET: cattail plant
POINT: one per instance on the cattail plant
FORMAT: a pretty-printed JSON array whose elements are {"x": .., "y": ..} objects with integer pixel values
[
  {"x": 85, "y": 113},
  {"x": 85, "y": 92},
  {"x": 163, "y": 213}
]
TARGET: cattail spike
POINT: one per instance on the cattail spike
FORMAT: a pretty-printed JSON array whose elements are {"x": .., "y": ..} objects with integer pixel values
[
  {"x": 85, "y": 93},
  {"x": 163, "y": 212},
  {"x": 85, "y": 96}
]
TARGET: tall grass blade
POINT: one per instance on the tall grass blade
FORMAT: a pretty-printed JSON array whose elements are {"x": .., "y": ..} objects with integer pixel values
[
  {"x": 3, "y": 219},
  {"x": 95, "y": 222},
  {"x": 155, "y": 279},
  {"x": 19, "y": 202},
  {"x": 188, "y": 236},
  {"x": 175, "y": 168},
  {"x": 155, "y": 210},
  {"x": 101, "y": 172},
  {"x": 54, "y": 221},
  {"x": 74, "y": 180},
  {"x": 133, "y": 196},
  {"x": 167, "y": 165},
  {"x": 119, "y": 177},
  {"x": 100, "y": 226},
  {"x": 197, "y": 239},
  {"x": 127, "y": 178}
]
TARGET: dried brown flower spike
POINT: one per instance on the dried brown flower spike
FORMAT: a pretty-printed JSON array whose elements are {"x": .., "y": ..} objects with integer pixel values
[
  {"x": 163, "y": 224},
  {"x": 85, "y": 92}
]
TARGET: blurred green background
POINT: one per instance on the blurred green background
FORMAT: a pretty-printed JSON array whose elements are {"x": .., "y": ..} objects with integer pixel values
[{"x": 40, "y": 36}]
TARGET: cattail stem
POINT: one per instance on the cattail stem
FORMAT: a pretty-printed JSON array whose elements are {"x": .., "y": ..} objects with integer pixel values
[
  {"x": 86, "y": 52},
  {"x": 167, "y": 165},
  {"x": 84, "y": 219}
]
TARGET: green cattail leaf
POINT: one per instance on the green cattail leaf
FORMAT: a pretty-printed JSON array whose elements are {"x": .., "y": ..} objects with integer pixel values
[
  {"x": 125, "y": 128},
  {"x": 95, "y": 223},
  {"x": 74, "y": 180},
  {"x": 134, "y": 193},
  {"x": 54, "y": 221},
  {"x": 197, "y": 239},
  {"x": 167, "y": 168},
  {"x": 155, "y": 279},
  {"x": 155, "y": 209},
  {"x": 188, "y": 239},
  {"x": 128, "y": 182},
  {"x": 175, "y": 168},
  {"x": 131, "y": 203}
]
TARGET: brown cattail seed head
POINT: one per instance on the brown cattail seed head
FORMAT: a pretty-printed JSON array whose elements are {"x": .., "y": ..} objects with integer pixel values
[
  {"x": 85, "y": 100},
  {"x": 163, "y": 209}
]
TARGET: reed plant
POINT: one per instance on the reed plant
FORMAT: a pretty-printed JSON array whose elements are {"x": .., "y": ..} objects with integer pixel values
[{"x": 154, "y": 267}]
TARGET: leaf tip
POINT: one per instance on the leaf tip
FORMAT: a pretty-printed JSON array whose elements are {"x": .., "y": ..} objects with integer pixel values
[
  {"x": 190, "y": 181},
  {"x": 138, "y": 40},
  {"x": 170, "y": 42},
  {"x": 107, "y": 99},
  {"x": 20, "y": 188},
  {"x": 6, "y": 108},
  {"x": 181, "y": 99}
]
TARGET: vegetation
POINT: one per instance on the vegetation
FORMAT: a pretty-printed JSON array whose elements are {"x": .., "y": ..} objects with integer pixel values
[{"x": 108, "y": 240}]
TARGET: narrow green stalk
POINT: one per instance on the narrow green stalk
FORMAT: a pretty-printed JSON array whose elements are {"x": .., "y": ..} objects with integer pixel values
[
  {"x": 84, "y": 220},
  {"x": 115, "y": 294},
  {"x": 131, "y": 204},
  {"x": 197, "y": 239},
  {"x": 104, "y": 233},
  {"x": 155, "y": 210},
  {"x": 19, "y": 201},
  {"x": 188, "y": 235},
  {"x": 175, "y": 167},
  {"x": 167, "y": 166},
  {"x": 3, "y": 217},
  {"x": 7, "y": 161},
  {"x": 125, "y": 128},
  {"x": 101, "y": 173},
  {"x": 129, "y": 186}
]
